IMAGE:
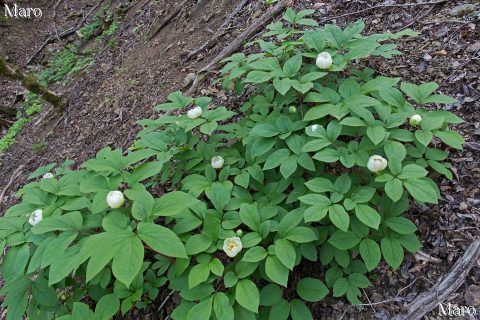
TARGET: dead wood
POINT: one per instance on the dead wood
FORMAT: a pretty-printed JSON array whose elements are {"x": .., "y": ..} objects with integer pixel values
[
  {"x": 444, "y": 287},
  {"x": 31, "y": 83},
  {"x": 220, "y": 32},
  {"x": 15, "y": 174},
  {"x": 66, "y": 33},
  {"x": 239, "y": 41}
]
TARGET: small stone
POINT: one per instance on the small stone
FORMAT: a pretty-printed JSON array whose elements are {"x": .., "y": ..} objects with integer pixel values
[
  {"x": 472, "y": 296},
  {"x": 474, "y": 47},
  {"x": 462, "y": 10},
  {"x": 318, "y": 5},
  {"x": 189, "y": 79},
  {"x": 427, "y": 57},
  {"x": 463, "y": 206}
]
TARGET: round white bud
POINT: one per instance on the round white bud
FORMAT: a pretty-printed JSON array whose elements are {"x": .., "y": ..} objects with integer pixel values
[
  {"x": 194, "y": 113},
  {"x": 217, "y": 162},
  {"x": 115, "y": 199},
  {"x": 376, "y": 163},
  {"x": 324, "y": 60}
]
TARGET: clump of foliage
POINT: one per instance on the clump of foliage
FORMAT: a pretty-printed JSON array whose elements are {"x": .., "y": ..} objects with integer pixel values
[
  {"x": 32, "y": 106},
  {"x": 320, "y": 167}
]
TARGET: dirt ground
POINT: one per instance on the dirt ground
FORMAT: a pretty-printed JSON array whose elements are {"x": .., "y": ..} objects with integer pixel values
[{"x": 127, "y": 80}]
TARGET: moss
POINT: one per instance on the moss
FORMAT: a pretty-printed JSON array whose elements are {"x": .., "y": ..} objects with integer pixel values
[{"x": 32, "y": 105}]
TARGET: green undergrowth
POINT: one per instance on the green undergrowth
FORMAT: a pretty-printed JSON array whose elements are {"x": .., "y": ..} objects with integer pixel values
[
  {"x": 32, "y": 106},
  {"x": 74, "y": 58}
]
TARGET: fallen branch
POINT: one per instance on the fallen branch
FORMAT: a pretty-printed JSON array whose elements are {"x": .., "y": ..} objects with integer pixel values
[
  {"x": 445, "y": 287},
  {"x": 220, "y": 32},
  {"x": 167, "y": 20},
  {"x": 238, "y": 42},
  {"x": 15, "y": 174},
  {"x": 66, "y": 33},
  {"x": 31, "y": 83},
  {"x": 382, "y": 6}
]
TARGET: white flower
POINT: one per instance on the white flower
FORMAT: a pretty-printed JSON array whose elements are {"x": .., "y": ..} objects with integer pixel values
[
  {"x": 314, "y": 128},
  {"x": 48, "y": 175},
  {"x": 415, "y": 120},
  {"x": 324, "y": 60},
  {"x": 232, "y": 246},
  {"x": 115, "y": 199},
  {"x": 217, "y": 162},
  {"x": 194, "y": 113},
  {"x": 376, "y": 163},
  {"x": 36, "y": 217}
]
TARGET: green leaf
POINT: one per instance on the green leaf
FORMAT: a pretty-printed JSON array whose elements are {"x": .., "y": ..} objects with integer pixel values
[
  {"x": 173, "y": 203},
  {"x": 255, "y": 254},
  {"x": 392, "y": 252},
  {"x": 161, "y": 239},
  {"x": 264, "y": 130},
  {"x": 292, "y": 65},
  {"x": 256, "y": 76},
  {"x": 376, "y": 134},
  {"x": 197, "y": 243},
  {"x": 327, "y": 155},
  {"x": 424, "y": 136},
  {"x": 143, "y": 205},
  {"x": 261, "y": 146},
  {"x": 144, "y": 171},
  {"x": 451, "y": 138},
  {"x": 314, "y": 39},
  {"x": 344, "y": 240},
  {"x": 320, "y": 185},
  {"x": 421, "y": 190},
  {"x": 370, "y": 253},
  {"x": 282, "y": 85},
  {"x": 201, "y": 311},
  {"x": 285, "y": 252},
  {"x": 288, "y": 167},
  {"x": 107, "y": 307},
  {"x": 219, "y": 194},
  {"x": 71, "y": 221},
  {"x": 222, "y": 307},
  {"x": 311, "y": 289},
  {"x": 249, "y": 216},
  {"x": 401, "y": 225},
  {"x": 247, "y": 295},
  {"x": 301, "y": 235},
  {"x": 394, "y": 189},
  {"x": 368, "y": 215},
  {"x": 128, "y": 260},
  {"x": 198, "y": 274},
  {"x": 299, "y": 311},
  {"x": 276, "y": 158},
  {"x": 339, "y": 217},
  {"x": 276, "y": 271}
]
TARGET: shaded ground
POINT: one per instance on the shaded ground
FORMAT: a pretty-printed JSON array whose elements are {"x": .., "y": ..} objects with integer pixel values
[{"x": 129, "y": 79}]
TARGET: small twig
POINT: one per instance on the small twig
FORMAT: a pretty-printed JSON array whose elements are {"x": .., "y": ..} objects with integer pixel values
[
  {"x": 165, "y": 21},
  {"x": 220, "y": 32},
  {"x": 65, "y": 33},
  {"x": 165, "y": 301},
  {"x": 414, "y": 20},
  {"x": 15, "y": 174},
  {"x": 54, "y": 17},
  {"x": 382, "y": 6}
]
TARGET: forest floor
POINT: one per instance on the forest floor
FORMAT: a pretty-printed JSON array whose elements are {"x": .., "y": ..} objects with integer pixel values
[{"x": 131, "y": 76}]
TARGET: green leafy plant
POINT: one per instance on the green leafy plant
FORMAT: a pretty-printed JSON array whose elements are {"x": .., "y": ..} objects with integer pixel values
[
  {"x": 32, "y": 106},
  {"x": 317, "y": 167}
]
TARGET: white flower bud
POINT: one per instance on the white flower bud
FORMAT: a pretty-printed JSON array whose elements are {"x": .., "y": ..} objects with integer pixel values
[
  {"x": 36, "y": 217},
  {"x": 314, "y": 128},
  {"x": 194, "y": 113},
  {"x": 232, "y": 246},
  {"x": 239, "y": 233},
  {"x": 217, "y": 162},
  {"x": 115, "y": 199},
  {"x": 48, "y": 175},
  {"x": 324, "y": 60},
  {"x": 292, "y": 109},
  {"x": 415, "y": 120},
  {"x": 376, "y": 163}
]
